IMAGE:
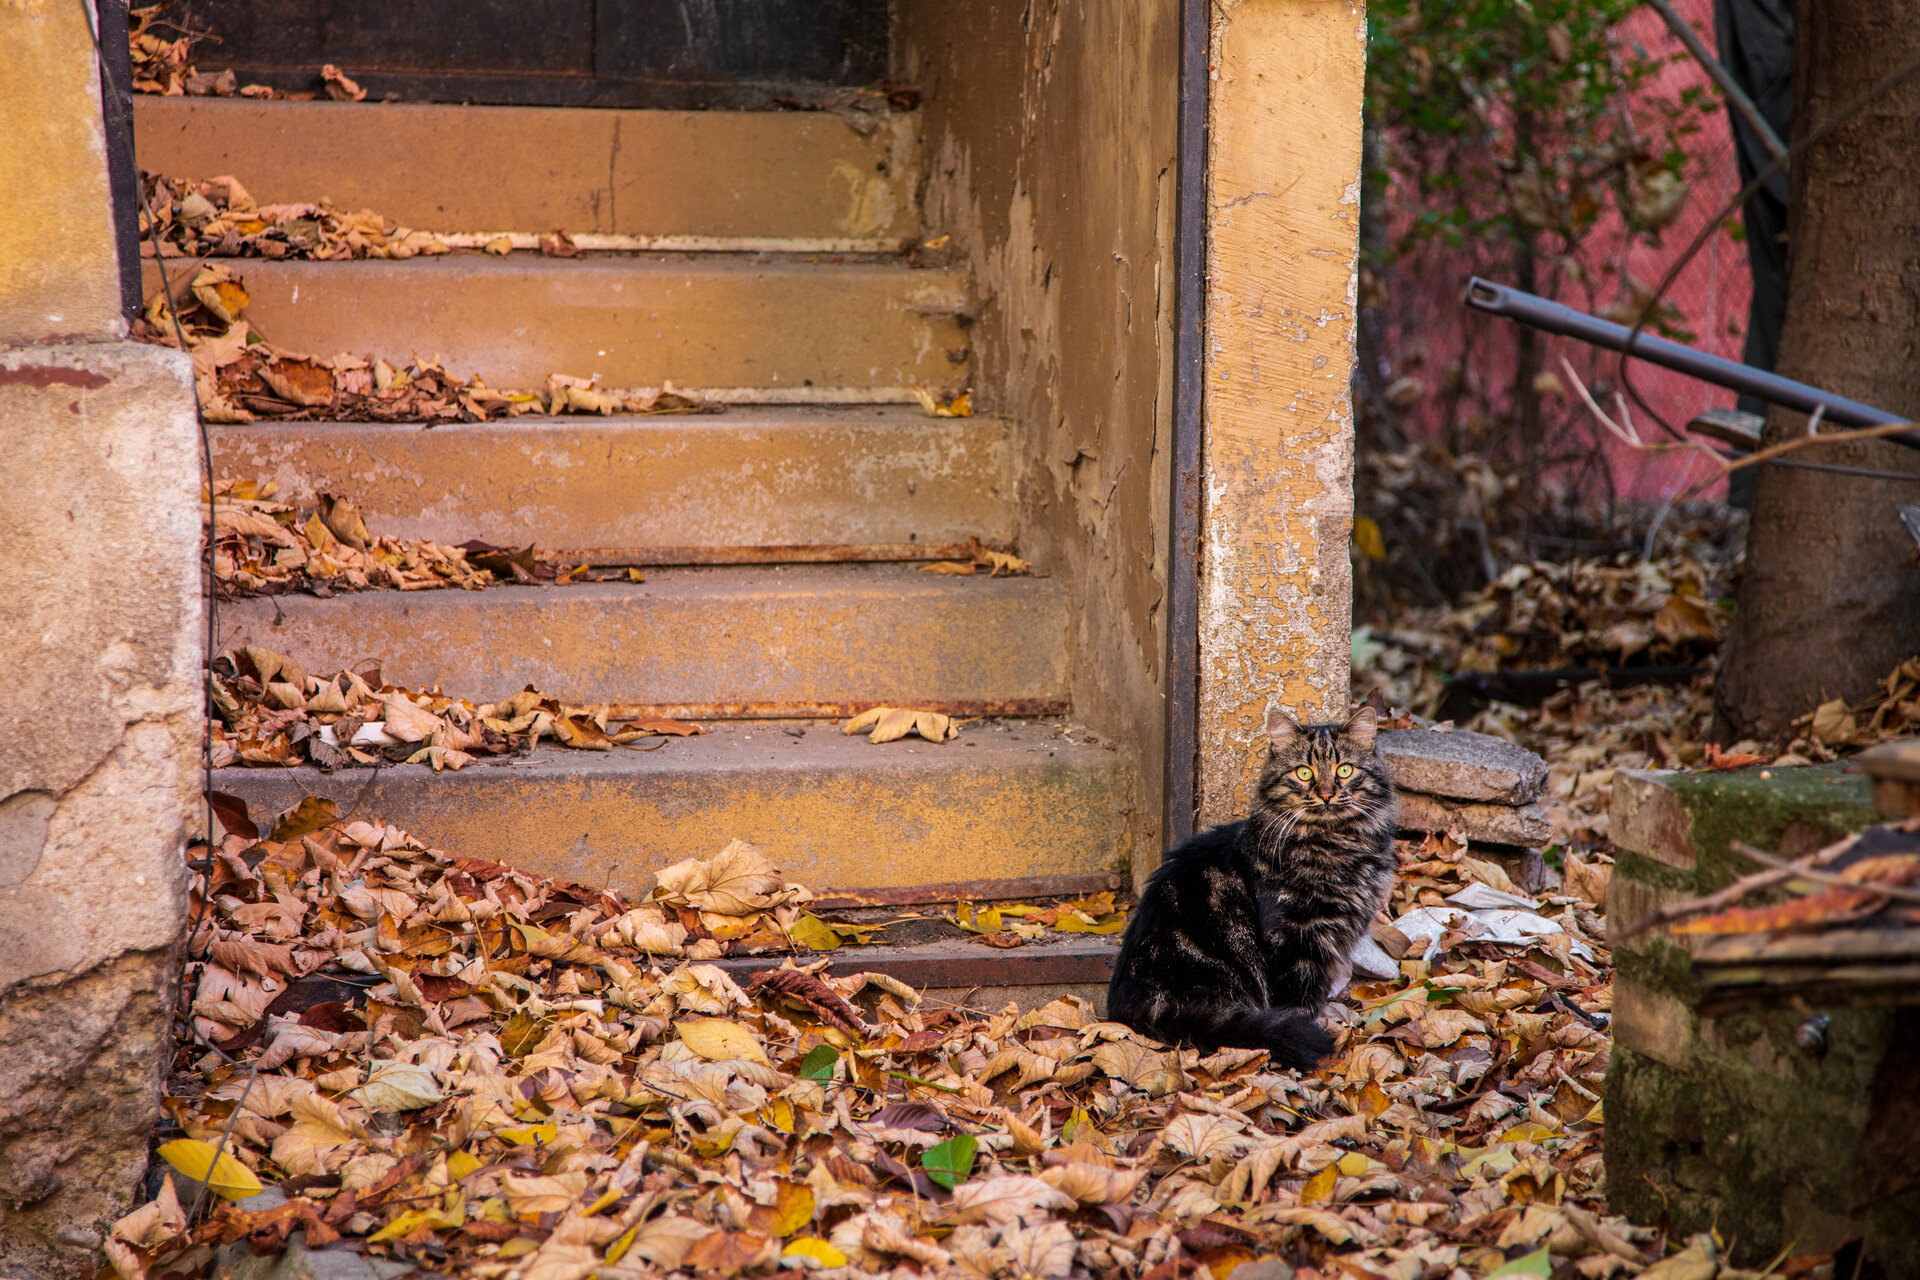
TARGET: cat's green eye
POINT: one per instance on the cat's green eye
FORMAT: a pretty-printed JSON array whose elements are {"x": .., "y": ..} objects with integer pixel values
[
  {"x": 1304, "y": 773},
  {"x": 1344, "y": 771}
]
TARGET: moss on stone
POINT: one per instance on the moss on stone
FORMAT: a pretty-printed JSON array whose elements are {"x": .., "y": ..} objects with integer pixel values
[
  {"x": 1755, "y": 1138},
  {"x": 1743, "y": 806}
]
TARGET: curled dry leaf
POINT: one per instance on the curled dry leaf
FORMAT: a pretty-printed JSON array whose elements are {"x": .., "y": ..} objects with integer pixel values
[{"x": 888, "y": 724}]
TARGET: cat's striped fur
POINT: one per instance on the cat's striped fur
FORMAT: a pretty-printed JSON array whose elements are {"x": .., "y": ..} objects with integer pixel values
[{"x": 1246, "y": 930}]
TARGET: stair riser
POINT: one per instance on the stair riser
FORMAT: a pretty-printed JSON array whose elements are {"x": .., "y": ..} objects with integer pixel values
[
  {"x": 785, "y": 329},
  {"x": 742, "y": 480},
  {"x": 799, "y": 177},
  {"x": 873, "y": 816},
  {"x": 802, "y": 642}
]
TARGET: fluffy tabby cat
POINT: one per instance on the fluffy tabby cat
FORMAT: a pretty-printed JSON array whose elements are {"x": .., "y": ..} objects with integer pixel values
[{"x": 1245, "y": 930}]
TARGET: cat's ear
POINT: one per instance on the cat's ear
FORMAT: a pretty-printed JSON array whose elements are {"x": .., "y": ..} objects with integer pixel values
[
  {"x": 1362, "y": 725},
  {"x": 1282, "y": 728}
]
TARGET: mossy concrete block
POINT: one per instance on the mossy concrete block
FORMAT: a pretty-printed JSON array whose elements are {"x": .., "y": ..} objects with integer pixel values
[
  {"x": 1727, "y": 1123},
  {"x": 1689, "y": 821},
  {"x": 1770, "y": 1144}
]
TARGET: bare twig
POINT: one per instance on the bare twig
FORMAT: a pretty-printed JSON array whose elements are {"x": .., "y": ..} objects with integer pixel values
[{"x": 1738, "y": 889}]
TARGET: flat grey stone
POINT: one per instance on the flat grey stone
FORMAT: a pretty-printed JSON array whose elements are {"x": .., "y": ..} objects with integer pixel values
[
  {"x": 236, "y": 1262},
  {"x": 1462, "y": 766},
  {"x": 1523, "y": 825}
]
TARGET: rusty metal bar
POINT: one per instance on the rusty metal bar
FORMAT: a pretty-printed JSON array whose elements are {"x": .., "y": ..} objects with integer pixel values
[
  {"x": 965, "y": 963},
  {"x": 965, "y": 708},
  {"x": 798, "y": 553},
  {"x": 1183, "y": 507},
  {"x": 1065, "y": 886}
]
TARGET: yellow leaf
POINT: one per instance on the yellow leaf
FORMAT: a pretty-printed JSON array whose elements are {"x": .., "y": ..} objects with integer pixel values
[
  {"x": 193, "y": 1157},
  {"x": 607, "y": 1197},
  {"x": 1353, "y": 1164},
  {"x": 517, "y": 1248},
  {"x": 819, "y": 1250},
  {"x": 1366, "y": 536},
  {"x": 956, "y": 568},
  {"x": 634, "y": 575},
  {"x": 778, "y": 1113},
  {"x": 1530, "y": 1131},
  {"x": 1074, "y": 922},
  {"x": 1320, "y": 1185},
  {"x": 463, "y": 1164},
  {"x": 961, "y": 406},
  {"x": 814, "y": 933},
  {"x": 618, "y": 1249},
  {"x": 529, "y": 1135},
  {"x": 716, "y": 1039},
  {"x": 400, "y": 1226},
  {"x": 792, "y": 1210},
  {"x": 1373, "y": 1099}
]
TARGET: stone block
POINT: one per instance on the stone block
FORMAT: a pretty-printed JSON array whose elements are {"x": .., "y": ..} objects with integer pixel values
[
  {"x": 1629, "y": 901},
  {"x": 98, "y": 778},
  {"x": 1525, "y": 826},
  {"x": 1649, "y": 819},
  {"x": 1651, "y": 1022},
  {"x": 1462, "y": 766}
]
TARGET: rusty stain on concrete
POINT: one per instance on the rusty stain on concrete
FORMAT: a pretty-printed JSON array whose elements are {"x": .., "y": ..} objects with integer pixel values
[{"x": 1277, "y": 451}]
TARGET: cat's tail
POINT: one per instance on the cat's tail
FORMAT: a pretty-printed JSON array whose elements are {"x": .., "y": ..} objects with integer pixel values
[{"x": 1292, "y": 1037}]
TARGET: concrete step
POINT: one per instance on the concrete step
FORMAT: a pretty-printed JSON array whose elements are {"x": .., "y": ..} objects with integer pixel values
[
  {"x": 798, "y": 180},
  {"x": 739, "y": 327},
  {"x": 747, "y": 485},
  {"x": 1004, "y": 802},
  {"x": 702, "y": 643}
]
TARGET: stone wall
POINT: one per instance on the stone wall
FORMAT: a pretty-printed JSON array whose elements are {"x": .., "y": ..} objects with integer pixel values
[
  {"x": 101, "y": 729},
  {"x": 1750, "y": 1123}
]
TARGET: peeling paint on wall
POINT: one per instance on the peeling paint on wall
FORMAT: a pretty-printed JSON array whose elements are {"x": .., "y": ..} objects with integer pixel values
[{"x": 1277, "y": 450}]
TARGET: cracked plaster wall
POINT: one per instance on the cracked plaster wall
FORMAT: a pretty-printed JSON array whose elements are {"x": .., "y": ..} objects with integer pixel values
[
  {"x": 1049, "y": 130},
  {"x": 100, "y": 632}
]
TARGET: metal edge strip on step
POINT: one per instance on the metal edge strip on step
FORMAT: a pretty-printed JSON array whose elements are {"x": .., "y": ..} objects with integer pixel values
[
  {"x": 961, "y": 708},
  {"x": 974, "y": 965},
  {"x": 1063, "y": 886},
  {"x": 604, "y": 242},
  {"x": 792, "y": 553}
]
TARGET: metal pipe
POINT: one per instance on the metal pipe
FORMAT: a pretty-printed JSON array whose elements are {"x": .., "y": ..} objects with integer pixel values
[
  {"x": 1722, "y": 77},
  {"x": 1553, "y": 317},
  {"x": 1183, "y": 510}
]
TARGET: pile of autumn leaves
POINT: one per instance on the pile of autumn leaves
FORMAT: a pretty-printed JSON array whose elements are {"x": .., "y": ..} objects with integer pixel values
[
  {"x": 239, "y": 376},
  {"x": 459, "y": 1067},
  {"x": 269, "y": 712}
]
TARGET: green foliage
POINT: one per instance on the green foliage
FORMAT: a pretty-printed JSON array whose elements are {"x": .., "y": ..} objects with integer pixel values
[
  {"x": 1512, "y": 118},
  {"x": 949, "y": 1163},
  {"x": 819, "y": 1063}
]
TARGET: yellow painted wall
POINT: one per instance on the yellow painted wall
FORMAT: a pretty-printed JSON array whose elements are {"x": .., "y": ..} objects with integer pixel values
[
  {"x": 59, "y": 273},
  {"x": 1277, "y": 452}
]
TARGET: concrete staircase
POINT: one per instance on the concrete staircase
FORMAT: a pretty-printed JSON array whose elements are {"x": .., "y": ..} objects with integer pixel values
[{"x": 768, "y": 268}]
